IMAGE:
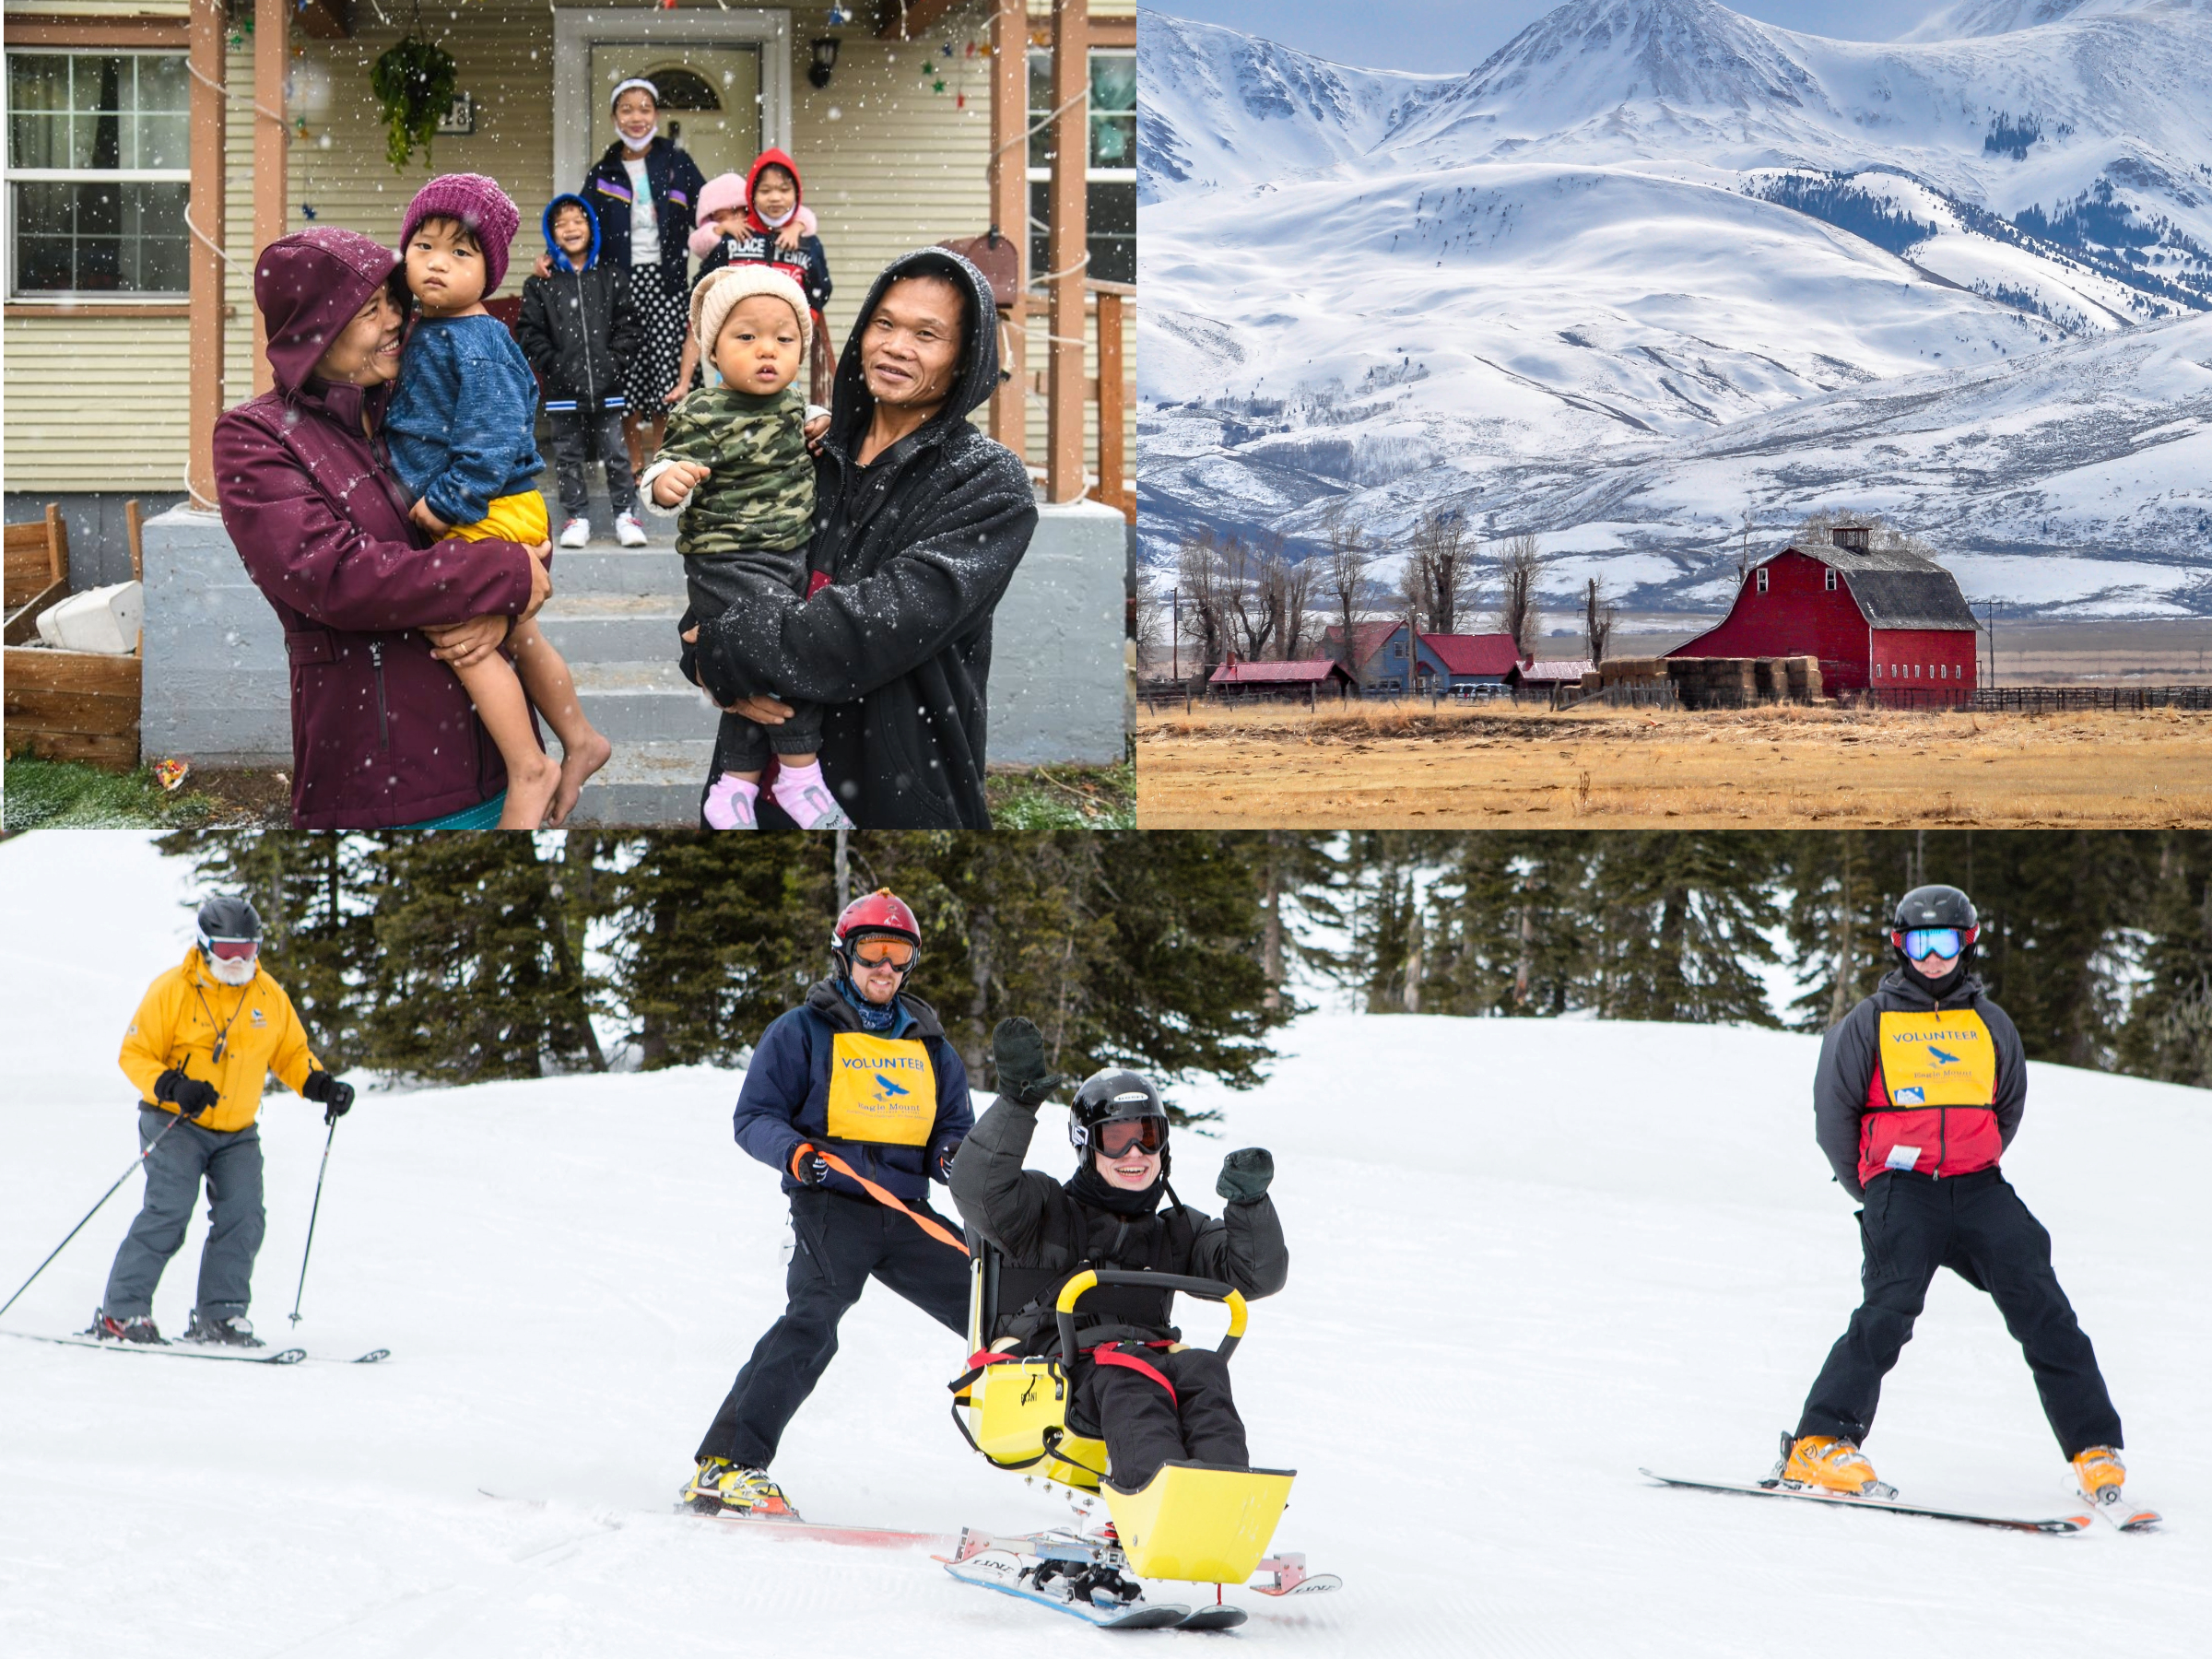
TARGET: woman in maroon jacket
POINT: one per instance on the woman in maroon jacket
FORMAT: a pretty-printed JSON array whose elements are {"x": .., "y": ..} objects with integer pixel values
[{"x": 383, "y": 735}]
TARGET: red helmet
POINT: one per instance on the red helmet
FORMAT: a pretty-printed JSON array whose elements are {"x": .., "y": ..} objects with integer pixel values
[{"x": 881, "y": 911}]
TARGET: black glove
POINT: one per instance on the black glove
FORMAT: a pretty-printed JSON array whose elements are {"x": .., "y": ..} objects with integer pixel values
[
  {"x": 336, "y": 1097},
  {"x": 941, "y": 1158},
  {"x": 1246, "y": 1175},
  {"x": 1017, "y": 1054},
  {"x": 807, "y": 1167},
  {"x": 188, "y": 1095}
]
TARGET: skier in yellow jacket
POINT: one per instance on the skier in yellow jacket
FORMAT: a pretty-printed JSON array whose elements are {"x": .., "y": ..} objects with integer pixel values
[{"x": 204, "y": 1038}]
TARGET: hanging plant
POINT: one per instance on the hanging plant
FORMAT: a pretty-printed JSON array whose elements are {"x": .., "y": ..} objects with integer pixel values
[{"x": 414, "y": 83}]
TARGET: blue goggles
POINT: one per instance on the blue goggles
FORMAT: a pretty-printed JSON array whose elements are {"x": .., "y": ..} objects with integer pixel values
[{"x": 1920, "y": 943}]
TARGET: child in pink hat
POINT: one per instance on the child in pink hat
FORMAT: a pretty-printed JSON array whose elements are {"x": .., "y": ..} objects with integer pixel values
[{"x": 461, "y": 429}]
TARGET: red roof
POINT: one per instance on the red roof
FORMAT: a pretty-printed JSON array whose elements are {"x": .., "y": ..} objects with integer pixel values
[
  {"x": 1270, "y": 674},
  {"x": 1474, "y": 654},
  {"x": 1367, "y": 638}
]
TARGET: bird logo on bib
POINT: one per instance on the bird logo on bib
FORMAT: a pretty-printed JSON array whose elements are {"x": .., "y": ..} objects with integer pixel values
[{"x": 882, "y": 1089}]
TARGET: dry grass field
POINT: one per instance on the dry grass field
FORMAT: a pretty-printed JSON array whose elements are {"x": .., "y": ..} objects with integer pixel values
[{"x": 1384, "y": 766}]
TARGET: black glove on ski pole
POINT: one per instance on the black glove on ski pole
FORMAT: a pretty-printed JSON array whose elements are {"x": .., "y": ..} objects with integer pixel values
[
  {"x": 93, "y": 1211},
  {"x": 333, "y": 1121}
]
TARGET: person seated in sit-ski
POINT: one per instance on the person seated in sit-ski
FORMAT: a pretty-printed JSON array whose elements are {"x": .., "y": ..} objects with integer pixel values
[{"x": 1156, "y": 1400}]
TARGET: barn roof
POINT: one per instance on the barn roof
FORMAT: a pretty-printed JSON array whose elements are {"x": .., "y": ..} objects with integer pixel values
[
  {"x": 1555, "y": 668},
  {"x": 1896, "y": 588},
  {"x": 1474, "y": 654},
  {"x": 1271, "y": 674}
]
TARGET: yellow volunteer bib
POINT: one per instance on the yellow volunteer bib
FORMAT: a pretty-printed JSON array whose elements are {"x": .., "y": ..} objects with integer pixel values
[
  {"x": 881, "y": 1088},
  {"x": 1938, "y": 1059}
]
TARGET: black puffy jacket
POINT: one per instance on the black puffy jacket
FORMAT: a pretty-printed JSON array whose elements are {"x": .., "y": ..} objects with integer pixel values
[
  {"x": 919, "y": 547},
  {"x": 1042, "y": 1224},
  {"x": 578, "y": 327}
]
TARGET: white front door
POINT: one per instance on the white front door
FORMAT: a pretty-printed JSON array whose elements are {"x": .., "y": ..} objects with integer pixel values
[{"x": 724, "y": 80}]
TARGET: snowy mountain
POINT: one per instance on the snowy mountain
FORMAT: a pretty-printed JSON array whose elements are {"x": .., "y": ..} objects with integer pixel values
[
  {"x": 1640, "y": 221},
  {"x": 1544, "y": 1255}
]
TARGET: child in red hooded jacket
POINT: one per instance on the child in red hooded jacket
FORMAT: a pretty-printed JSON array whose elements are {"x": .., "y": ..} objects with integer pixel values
[{"x": 763, "y": 221}]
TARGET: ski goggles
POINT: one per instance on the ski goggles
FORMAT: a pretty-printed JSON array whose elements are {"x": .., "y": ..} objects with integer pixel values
[
  {"x": 1120, "y": 1137},
  {"x": 234, "y": 951},
  {"x": 1920, "y": 943},
  {"x": 877, "y": 951}
]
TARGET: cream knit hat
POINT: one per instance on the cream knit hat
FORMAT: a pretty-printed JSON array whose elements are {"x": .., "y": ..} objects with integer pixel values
[{"x": 711, "y": 301}]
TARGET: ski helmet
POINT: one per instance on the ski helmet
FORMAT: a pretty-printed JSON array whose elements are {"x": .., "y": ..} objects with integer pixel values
[
  {"x": 1112, "y": 1096},
  {"x": 232, "y": 921},
  {"x": 1936, "y": 907},
  {"x": 880, "y": 915}
]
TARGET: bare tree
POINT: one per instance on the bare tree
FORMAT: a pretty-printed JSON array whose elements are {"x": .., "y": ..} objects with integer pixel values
[
  {"x": 1439, "y": 568},
  {"x": 1299, "y": 585},
  {"x": 1598, "y": 617},
  {"x": 1154, "y": 617},
  {"x": 1251, "y": 589},
  {"x": 1884, "y": 536},
  {"x": 1343, "y": 580},
  {"x": 1198, "y": 568},
  {"x": 1518, "y": 566}
]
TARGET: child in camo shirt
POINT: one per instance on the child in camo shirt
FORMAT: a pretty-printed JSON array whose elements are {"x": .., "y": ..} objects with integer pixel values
[{"x": 736, "y": 457}]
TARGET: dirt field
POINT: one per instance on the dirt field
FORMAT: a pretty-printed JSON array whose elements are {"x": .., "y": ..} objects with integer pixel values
[{"x": 1386, "y": 767}]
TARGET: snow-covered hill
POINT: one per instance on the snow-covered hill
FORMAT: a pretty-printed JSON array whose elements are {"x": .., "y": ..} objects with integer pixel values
[
  {"x": 1641, "y": 221},
  {"x": 1527, "y": 1257}
]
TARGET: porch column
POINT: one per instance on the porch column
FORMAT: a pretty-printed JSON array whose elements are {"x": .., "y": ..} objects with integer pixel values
[
  {"x": 272, "y": 56},
  {"x": 1065, "y": 248},
  {"x": 203, "y": 220},
  {"x": 1010, "y": 208}
]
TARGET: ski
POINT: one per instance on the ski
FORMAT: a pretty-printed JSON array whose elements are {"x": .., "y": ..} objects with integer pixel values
[
  {"x": 1002, "y": 1570},
  {"x": 2059, "y": 1525},
  {"x": 178, "y": 1350},
  {"x": 821, "y": 1532},
  {"x": 373, "y": 1356},
  {"x": 2123, "y": 1512},
  {"x": 1292, "y": 1578},
  {"x": 1219, "y": 1617}
]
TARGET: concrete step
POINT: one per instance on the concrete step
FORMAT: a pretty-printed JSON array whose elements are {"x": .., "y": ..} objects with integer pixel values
[
  {"x": 643, "y": 702},
  {"x": 601, "y": 567},
  {"x": 588, "y": 627},
  {"x": 647, "y": 783}
]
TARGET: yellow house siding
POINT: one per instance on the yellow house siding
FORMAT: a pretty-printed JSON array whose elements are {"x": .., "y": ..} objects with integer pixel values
[{"x": 889, "y": 165}]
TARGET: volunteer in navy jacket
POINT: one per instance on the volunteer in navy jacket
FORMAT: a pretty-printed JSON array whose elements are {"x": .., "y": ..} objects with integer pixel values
[
  {"x": 861, "y": 1073},
  {"x": 1920, "y": 1089}
]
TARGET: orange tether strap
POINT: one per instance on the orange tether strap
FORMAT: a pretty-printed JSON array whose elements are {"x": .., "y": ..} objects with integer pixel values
[{"x": 881, "y": 1195}]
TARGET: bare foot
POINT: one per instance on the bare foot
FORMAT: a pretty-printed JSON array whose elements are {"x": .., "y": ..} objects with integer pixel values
[
  {"x": 577, "y": 763},
  {"x": 529, "y": 791}
]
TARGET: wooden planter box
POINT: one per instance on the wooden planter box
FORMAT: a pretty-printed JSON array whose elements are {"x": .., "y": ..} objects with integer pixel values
[{"x": 64, "y": 705}]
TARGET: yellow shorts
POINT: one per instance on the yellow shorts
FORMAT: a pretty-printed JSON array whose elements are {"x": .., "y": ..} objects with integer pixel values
[{"x": 519, "y": 517}]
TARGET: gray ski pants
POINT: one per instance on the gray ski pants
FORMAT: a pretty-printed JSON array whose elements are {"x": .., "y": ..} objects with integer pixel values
[{"x": 232, "y": 1164}]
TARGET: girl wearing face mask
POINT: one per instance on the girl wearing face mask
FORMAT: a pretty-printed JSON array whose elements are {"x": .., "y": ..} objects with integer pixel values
[{"x": 645, "y": 191}]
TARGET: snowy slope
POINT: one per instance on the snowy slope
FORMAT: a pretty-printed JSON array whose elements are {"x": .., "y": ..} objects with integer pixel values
[
  {"x": 1527, "y": 1257},
  {"x": 1641, "y": 221}
]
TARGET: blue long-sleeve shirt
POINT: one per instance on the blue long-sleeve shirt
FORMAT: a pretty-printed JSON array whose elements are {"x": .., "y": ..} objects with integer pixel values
[{"x": 460, "y": 426}]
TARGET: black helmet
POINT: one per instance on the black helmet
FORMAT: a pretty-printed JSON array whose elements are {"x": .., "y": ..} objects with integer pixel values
[
  {"x": 223, "y": 917},
  {"x": 1934, "y": 907},
  {"x": 1109, "y": 1095}
]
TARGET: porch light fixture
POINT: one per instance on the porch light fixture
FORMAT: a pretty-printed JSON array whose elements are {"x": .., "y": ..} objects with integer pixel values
[{"x": 825, "y": 60}]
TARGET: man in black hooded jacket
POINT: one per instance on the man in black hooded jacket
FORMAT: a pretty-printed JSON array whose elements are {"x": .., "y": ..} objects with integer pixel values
[
  {"x": 1155, "y": 1400},
  {"x": 920, "y": 521}
]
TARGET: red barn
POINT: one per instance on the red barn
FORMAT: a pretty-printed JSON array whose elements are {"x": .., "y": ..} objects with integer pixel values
[{"x": 1886, "y": 618}]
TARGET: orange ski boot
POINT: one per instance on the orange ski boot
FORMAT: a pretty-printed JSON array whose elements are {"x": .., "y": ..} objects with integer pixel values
[{"x": 1822, "y": 1463}]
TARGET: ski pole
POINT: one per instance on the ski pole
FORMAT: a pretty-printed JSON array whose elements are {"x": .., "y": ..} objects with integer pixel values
[
  {"x": 92, "y": 1212},
  {"x": 310, "y": 1219}
]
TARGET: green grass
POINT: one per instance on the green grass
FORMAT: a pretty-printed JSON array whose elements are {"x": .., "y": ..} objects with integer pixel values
[
  {"x": 63, "y": 794},
  {"x": 1064, "y": 797}
]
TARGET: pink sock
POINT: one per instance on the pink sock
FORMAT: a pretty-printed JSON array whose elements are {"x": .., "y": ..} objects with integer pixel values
[
  {"x": 730, "y": 803},
  {"x": 804, "y": 794}
]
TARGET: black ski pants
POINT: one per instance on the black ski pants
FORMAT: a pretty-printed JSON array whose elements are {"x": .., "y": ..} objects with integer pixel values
[
  {"x": 1144, "y": 1425},
  {"x": 1977, "y": 1225},
  {"x": 842, "y": 1244}
]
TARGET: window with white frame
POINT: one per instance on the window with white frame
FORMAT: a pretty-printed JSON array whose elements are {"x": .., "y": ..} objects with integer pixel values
[
  {"x": 98, "y": 148},
  {"x": 1762, "y": 579},
  {"x": 1110, "y": 167},
  {"x": 1831, "y": 582}
]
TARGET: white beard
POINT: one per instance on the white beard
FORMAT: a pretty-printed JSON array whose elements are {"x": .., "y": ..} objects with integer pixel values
[{"x": 240, "y": 973}]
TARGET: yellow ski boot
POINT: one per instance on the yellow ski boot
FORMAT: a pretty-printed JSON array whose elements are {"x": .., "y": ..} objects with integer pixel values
[
  {"x": 719, "y": 1487},
  {"x": 1822, "y": 1463},
  {"x": 2100, "y": 1472}
]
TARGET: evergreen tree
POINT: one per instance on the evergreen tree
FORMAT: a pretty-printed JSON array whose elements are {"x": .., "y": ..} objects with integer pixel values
[
  {"x": 474, "y": 975},
  {"x": 1837, "y": 918},
  {"x": 1510, "y": 926},
  {"x": 2169, "y": 1029},
  {"x": 2051, "y": 904},
  {"x": 1681, "y": 919}
]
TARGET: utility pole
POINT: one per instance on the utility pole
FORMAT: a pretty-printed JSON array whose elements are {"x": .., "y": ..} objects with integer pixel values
[{"x": 1175, "y": 637}]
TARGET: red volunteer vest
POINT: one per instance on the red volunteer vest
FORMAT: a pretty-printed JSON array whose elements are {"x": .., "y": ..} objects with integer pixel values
[{"x": 1930, "y": 1101}]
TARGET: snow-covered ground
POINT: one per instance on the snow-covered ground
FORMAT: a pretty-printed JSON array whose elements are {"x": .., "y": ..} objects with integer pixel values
[
  {"x": 1641, "y": 272},
  {"x": 1526, "y": 1258}
]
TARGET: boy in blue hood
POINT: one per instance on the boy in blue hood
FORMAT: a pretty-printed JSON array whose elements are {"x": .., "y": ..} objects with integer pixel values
[{"x": 580, "y": 331}]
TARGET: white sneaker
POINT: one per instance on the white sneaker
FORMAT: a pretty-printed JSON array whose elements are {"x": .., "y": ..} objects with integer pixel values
[
  {"x": 575, "y": 532},
  {"x": 629, "y": 532}
]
